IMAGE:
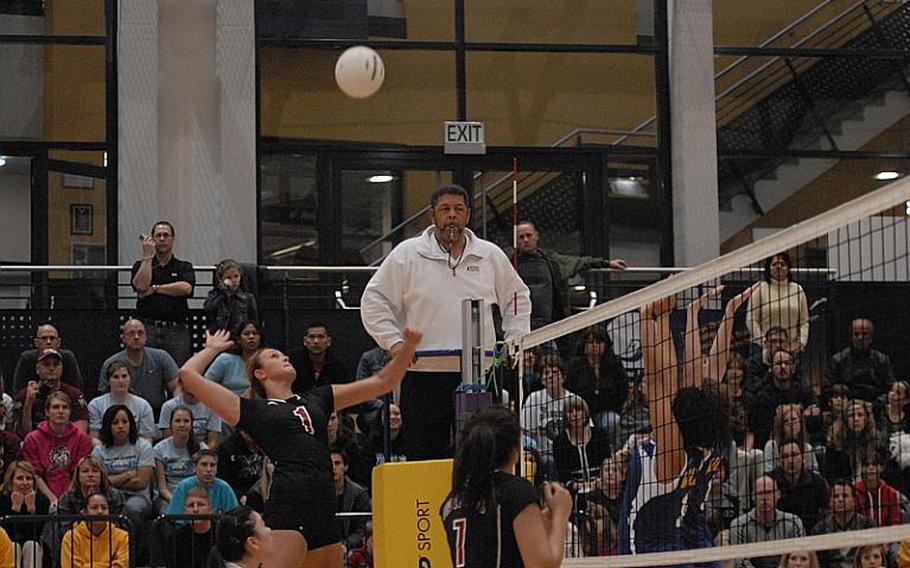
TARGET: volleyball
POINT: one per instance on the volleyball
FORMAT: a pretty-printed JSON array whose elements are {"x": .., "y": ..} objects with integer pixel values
[{"x": 359, "y": 72}]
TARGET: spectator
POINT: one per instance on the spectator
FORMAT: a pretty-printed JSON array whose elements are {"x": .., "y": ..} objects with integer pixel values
[
  {"x": 46, "y": 337},
  {"x": 206, "y": 426},
  {"x": 7, "y": 553},
  {"x": 400, "y": 448},
  {"x": 359, "y": 459},
  {"x": 607, "y": 491},
  {"x": 759, "y": 364},
  {"x": 174, "y": 455},
  {"x": 317, "y": 364},
  {"x": 90, "y": 477},
  {"x": 799, "y": 559},
  {"x": 241, "y": 463},
  {"x": 118, "y": 378},
  {"x": 422, "y": 284},
  {"x": 780, "y": 388},
  {"x": 875, "y": 499},
  {"x": 735, "y": 375},
  {"x": 352, "y": 497},
  {"x": 635, "y": 416},
  {"x": 580, "y": 447},
  {"x": 229, "y": 369},
  {"x": 722, "y": 503},
  {"x": 363, "y": 557},
  {"x": 781, "y": 302},
  {"x": 20, "y": 497},
  {"x": 547, "y": 274},
  {"x": 128, "y": 459},
  {"x": 597, "y": 532},
  {"x": 163, "y": 284},
  {"x": 850, "y": 441},
  {"x": 894, "y": 425},
  {"x": 191, "y": 542},
  {"x": 765, "y": 522},
  {"x": 228, "y": 305},
  {"x": 842, "y": 516},
  {"x": 597, "y": 375},
  {"x": 371, "y": 361},
  {"x": 153, "y": 372},
  {"x": 872, "y": 556},
  {"x": 788, "y": 423},
  {"x": 55, "y": 447},
  {"x": 803, "y": 490},
  {"x": 838, "y": 398},
  {"x": 865, "y": 370},
  {"x": 30, "y": 402},
  {"x": 894, "y": 415},
  {"x": 10, "y": 444},
  {"x": 221, "y": 496},
  {"x": 95, "y": 543},
  {"x": 541, "y": 414}
]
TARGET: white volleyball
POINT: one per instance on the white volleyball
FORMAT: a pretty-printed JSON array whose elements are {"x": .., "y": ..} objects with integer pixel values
[{"x": 359, "y": 72}]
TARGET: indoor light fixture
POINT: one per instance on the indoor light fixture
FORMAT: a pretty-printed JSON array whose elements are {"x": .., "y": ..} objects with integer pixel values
[
  {"x": 2, "y": 161},
  {"x": 380, "y": 178},
  {"x": 886, "y": 175}
]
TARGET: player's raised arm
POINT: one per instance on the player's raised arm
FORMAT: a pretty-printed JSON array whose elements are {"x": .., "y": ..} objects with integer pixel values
[
  {"x": 220, "y": 400},
  {"x": 382, "y": 382},
  {"x": 661, "y": 383}
]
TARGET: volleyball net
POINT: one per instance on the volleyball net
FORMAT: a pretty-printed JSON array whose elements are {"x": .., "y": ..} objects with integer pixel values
[{"x": 756, "y": 398}]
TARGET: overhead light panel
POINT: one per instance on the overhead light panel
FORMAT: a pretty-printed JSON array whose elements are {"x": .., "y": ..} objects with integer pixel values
[
  {"x": 380, "y": 178},
  {"x": 886, "y": 175}
]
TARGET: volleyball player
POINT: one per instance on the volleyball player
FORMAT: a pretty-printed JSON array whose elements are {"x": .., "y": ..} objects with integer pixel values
[
  {"x": 292, "y": 431},
  {"x": 492, "y": 517},
  {"x": 670, "y": 473}
]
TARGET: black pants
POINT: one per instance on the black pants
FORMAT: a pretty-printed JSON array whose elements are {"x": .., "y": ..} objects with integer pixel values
[{"x": 428, "y": 414}]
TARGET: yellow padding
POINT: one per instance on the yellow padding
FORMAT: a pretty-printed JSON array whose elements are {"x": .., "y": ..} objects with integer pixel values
[{"x": 407, "y": 530}]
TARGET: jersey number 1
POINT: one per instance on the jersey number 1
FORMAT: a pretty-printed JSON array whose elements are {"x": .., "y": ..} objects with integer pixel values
[
  {"x": 304, "y": 416},
  {"x": 461, "y": 528}
]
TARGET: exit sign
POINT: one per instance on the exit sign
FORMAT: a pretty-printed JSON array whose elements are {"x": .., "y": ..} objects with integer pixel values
[{"x": 463, "y": 137}]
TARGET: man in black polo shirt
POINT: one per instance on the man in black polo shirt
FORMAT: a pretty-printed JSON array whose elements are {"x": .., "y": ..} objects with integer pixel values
[{"x": 164, "y": 283}]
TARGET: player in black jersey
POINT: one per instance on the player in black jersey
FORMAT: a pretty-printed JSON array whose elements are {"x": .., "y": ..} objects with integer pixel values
[
  {"x": 292, "y": 431},
  {"x": 493, "y": 518}
]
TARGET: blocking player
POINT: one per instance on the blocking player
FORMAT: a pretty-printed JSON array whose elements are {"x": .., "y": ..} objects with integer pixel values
[{"x": 670, "y": 473}]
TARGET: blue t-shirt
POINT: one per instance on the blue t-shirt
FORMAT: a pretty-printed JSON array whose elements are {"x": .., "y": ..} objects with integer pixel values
[
  {"x": 229, "y": 371},
  {"x": 220, "y": 493},
  {"x": 662, "y": 517}
]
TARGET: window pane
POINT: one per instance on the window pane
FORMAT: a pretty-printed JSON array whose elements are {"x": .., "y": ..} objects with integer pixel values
[
  {"x": 299, "y": 97},
  {"x": 52, "y": 17},
  {"x": 535, "y": 99},
  {"x": 77, "y": 213},
  {"x": 288, "y": 200},
  {"x": 58, "y": 94},
  {"x": 604, "y": 21},
  {"x": 15, "y": 215}
]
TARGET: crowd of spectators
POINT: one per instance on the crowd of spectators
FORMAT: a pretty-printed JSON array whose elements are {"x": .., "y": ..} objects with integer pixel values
[{"x": 804, "y": 460}]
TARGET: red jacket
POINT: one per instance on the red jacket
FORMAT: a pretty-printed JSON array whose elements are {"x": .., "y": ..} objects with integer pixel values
[
  {"x": 55, "y": 457},
  {"x": 881, "y": 504}
]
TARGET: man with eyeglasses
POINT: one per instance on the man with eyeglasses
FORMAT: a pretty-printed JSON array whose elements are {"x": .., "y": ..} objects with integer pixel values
[
  {"x": 781, "y": 386},
  {"x": 164, "y": 283},
  {"x": 422, "y": 284},
  {"x": 46, "y": 337}
]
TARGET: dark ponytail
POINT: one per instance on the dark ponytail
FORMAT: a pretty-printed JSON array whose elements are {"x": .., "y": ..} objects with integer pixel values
[
  {"x": 487, "y": 444},
  {"x": 234, "y": 528}
]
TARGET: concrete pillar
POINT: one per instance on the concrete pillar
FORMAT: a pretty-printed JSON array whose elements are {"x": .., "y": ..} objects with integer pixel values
[
  {"x": 188, "y": 126},
  {"x": 696, "y": 224}
]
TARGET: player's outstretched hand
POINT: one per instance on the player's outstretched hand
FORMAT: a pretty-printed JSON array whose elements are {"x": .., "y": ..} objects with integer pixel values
[
  {"x": 403, "y": 355},
  {"x": 558, "y": 500},
  {"x": 219, "y": 341}
]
